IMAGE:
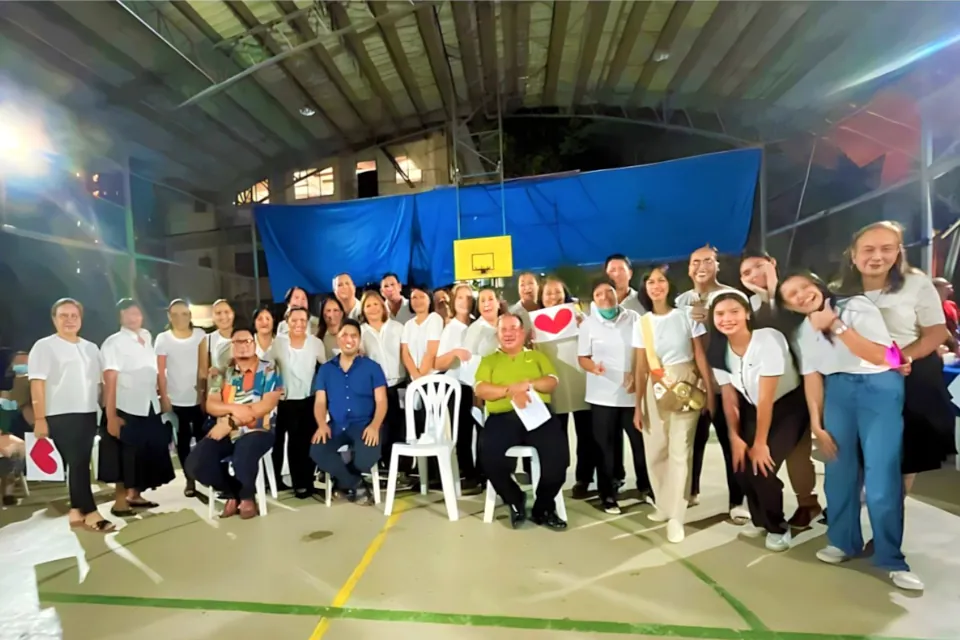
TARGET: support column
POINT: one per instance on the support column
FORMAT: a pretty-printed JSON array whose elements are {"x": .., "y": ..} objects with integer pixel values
[
  {"x": 926, "y": 195},
  {"x": 763, "y": 198},
  {"x": 130, "y": 230},
  {"x": 345, "y": 177},
  {"x": 256, "y": 257}
]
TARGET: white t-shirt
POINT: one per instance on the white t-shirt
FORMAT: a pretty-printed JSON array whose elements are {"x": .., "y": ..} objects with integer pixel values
[
  {"x": 905, "y": 312},
  {"x": 71, "y": 374},
  {"x": 767, "y": 355},
  {"x": 403, "y": 313},
  {"x": 480, "y": 338},
  {"x": 452, "y": 338},
  {"x": 417, "y": 336},
  {"x": 136, "y": 367},
  {"x": 383, "y": 347},
  {"x": 219, "y": 349},
  {"x": 817, "y": 354},
  {"x": 265, "y": 354},
  {"x": 608, "y": 343},
  {"x": 673, "y": 335},
  {"x": 297, "y": 366},
  {"x": 182, "y": 361}
]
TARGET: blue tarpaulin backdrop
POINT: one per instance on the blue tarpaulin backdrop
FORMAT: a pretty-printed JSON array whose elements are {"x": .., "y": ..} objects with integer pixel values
[{"x": 651, "y": 212}]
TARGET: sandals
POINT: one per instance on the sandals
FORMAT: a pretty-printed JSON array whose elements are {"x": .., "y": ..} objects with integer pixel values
[
  {"x": 101, "y": 526},
  {"x": 122, "y": 513},
  {"x": 146, "y": 504},
  {"x": 190, "y": 492}
]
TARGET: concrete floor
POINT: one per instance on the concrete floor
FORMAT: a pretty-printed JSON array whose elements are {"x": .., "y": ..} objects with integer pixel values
[{"x": 305, "y": 571}]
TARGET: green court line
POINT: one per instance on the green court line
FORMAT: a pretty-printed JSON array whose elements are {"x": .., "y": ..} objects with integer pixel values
[{"x": 452, "y": 619}]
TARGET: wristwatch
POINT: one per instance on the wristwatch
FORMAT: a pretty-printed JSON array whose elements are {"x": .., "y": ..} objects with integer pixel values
[{"x": 838, "y": 327}]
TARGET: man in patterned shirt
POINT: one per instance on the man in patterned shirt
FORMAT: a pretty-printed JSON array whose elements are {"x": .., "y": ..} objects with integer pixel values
[{"x": 242, "y": 399}]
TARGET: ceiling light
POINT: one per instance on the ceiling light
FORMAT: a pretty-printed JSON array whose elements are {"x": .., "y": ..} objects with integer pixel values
[
  {"x": 307, "y": 112},
  {"x": 660, "y": 55}
]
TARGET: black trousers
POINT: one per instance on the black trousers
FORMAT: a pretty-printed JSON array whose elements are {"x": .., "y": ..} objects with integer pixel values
[
  {"x": 765, "y": 492},
  {"x": 190, "y": 421},
  {"x": 72, "y": 435},
  {"x": 609, "y": 425},
  {"x": 700, "y": 446},
  {"x": 394, "y": 429},
  {"x": 504, "y": 430},
  {"x": 295, "y": 424},
  {"x": 465, "y": 430},
  {"x": 588, "y": 453},
  {"x": 209, "y": 463}
]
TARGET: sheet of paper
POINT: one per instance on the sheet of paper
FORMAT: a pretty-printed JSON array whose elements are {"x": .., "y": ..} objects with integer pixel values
[
  {"x": 44, "y": 463},
  {"x": 535, "y": 413},
  {"x": 954, "y": 389},
  {"x": 555, "y": 323},
  {"x": 468, "y": 370}
]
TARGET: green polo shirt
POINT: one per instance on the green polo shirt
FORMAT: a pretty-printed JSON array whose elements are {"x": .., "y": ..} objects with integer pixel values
[{"x": 500, "y": 369}]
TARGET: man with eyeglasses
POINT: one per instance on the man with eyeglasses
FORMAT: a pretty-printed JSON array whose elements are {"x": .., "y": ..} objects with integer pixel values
[{"x": 242, "y": 399}]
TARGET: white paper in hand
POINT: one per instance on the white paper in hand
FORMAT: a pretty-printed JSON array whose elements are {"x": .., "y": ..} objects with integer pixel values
[
  {"x": 954, "y": 389},
  {"x": 535, "y": 413}
]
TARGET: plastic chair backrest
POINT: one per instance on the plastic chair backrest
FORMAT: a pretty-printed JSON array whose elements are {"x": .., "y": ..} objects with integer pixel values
[{"x": 434, "y": 392}]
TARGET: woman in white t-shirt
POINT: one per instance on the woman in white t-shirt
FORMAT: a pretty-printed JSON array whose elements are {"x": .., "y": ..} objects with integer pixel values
[
  {"x": 876, "y": 266},
  {"x": 671, "y": 364},
  {"x": 215, "y": 351},
  {"x": 480, "y": 338},
  {"x": 452, "y": 355},
  {"x": 604, "y": 351},
  {"x": 177, "y": 363},
  {"x": 64, "y": 372},
  {"x": 297, "y": 354},
  {"x": 764, "y": 405},
  {"x": 421, "y": 335},
  {"x": 331, "y": 319},
  {"x": 263, "y": 338},
  {"x": 380, "y": 341},
  {"x": 856, "y": 411}
]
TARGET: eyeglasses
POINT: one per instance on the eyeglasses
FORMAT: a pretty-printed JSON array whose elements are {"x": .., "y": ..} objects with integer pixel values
[{"x": 243, "y": 341}]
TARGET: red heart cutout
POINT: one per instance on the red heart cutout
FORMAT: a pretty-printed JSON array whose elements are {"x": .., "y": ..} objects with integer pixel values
[
  {"x": 42, "y": 458},
  {"x": 556, "y": 324}
]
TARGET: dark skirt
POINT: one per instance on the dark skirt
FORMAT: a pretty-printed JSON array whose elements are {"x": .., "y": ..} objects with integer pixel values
[
  {"x": 140, "y": 459},
  {"x": 928, "y": 417}
]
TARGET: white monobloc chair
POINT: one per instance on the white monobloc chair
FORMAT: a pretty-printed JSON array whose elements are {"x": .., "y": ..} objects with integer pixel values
[
  {"x": 374, "y": 474},
  {"x": 439, "y": 439},
  {"x": 519, "y": 452},
  {"x": 266, "y": 469}
]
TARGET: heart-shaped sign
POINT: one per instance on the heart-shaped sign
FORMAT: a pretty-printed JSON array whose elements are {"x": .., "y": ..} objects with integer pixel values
[
  {"x": 41, "y": 455},
  {"x": 556, "y": 324}
]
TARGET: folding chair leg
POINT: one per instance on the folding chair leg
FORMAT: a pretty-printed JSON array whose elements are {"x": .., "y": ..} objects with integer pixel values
[
  {"x": 489, "y": 504},
  {"x": 391, "y": 482},
  {"x": 449, "y": 489},
  {"x": 261, "y": 491},
  {"x": 375, "y": 476},
  {"x": 423, "y": 468},
  {"x": 328, "y": 490}
]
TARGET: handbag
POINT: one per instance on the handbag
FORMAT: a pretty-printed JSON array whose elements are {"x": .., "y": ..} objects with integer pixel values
[{"x": 672, "y": 395}]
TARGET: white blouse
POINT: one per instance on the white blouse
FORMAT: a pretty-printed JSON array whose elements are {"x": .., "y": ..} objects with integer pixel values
[
  {"x": 817, "y": 354},
  {"x": 418, "y": 336},
  {"x": 767, "y": 355},
  {"x": 608, "y": 343},
  {"x": 383, "y": 347},
  {"x": 71, "y": 374},
  {"x": 452, "y": 338},
  {"x": 219, "y": 349},
  {"x": 673, "y": 335},
  {"x": 136, "y": 367},
  {"x": 480, "y": 338},
  {"x": 181, "y": 365},
  {"x": 298, "y": 365},
  {"x": 905, "y": 312}
]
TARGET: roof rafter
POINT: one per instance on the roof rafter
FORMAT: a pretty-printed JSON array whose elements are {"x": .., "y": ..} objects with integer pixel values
[
  {"x": 429, "y": 28},
  {"x": 399, "y": 58},
  {"x": 596, "y": 17},
  {"x": 469, "y": 60},
  {"x": 558, "y": 33},
  {"x": 664, "y": 42},
  {"x": 487, "y": 36},
  {"x": 629, "y": 37},
  {"x": 717, "y": 24}
]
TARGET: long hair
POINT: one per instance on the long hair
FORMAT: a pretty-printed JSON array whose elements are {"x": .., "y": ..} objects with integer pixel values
[
  {"x": 322, "y": 330},
  {"x": 787, "y": 320},
  {"x": 644, "y": 298},
  {"x": 716, "y": 341},
  {"x": 850, "y": 282}
]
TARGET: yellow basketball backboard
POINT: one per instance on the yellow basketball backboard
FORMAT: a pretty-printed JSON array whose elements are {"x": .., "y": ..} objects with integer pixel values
[{"x": 483, "y": 258}]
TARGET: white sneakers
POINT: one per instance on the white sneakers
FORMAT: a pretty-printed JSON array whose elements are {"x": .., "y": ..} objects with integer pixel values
[
  {"x": 779, "y": 541},
  {"x": 906, "y": 580},
  {"x": 675, "y": 532},
  {"x": 657, "y": 516},
  {"x": 750, "y": 531},
  {"x": 740, "y": 514}
]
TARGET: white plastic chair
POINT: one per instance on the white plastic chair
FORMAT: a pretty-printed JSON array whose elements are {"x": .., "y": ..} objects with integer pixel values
[
  {"x": 439, "y": 439},
  {"x": 522, "y": 452},
  {"x": 375, "y": 477},
  {"x": 266, "y": 469}
]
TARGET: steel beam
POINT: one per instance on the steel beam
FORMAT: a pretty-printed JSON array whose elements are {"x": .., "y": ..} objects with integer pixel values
[
  {"x": 803, "y": 193},
  {"x": 628, "y": 39},
  {"x": 664, "y": 43},
  {"x": 763, "y": 199},
  {"x": 926, "y": 191},
  {"x": 595, "y": 17},
  {"x": 558, "y": 34},
  {"x": 399, "y": 58}
]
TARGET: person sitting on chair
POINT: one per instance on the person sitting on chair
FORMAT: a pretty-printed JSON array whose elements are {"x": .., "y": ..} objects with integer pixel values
[
  {"x": 241, "y": 399},
  {"x": 503, "y": 380},
  {"x": 350, "y": 406}
]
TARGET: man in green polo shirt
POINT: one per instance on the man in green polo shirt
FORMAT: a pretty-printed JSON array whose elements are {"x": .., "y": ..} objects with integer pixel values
[{"x": 503, "y": 380}]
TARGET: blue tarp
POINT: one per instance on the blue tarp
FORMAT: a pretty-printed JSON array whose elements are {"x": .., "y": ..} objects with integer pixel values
[{"x": 657, "y": 212}]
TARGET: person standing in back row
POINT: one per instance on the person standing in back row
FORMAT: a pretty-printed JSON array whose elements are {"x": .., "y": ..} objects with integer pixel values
[
  {"x": 702, "y": 269},
  {"x": 392, "y": 292}
]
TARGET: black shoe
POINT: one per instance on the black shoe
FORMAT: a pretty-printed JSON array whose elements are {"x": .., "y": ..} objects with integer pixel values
[
  {"x": 470, "y": 488},
  {"x": 302, "y": 494},
  {"x": 361, "y": 496},
  {"x": 518, "y": 514},
  {"x": 618, "y": 484},
  {"x": 823, "y": 520},
  {"x": 283, "y": 486},
  {"x": 610, "y": 506},
  {"x": 549, "y": 519},
  {"x": 9, "y": 501},
  {"x": 581, "y": 491}
]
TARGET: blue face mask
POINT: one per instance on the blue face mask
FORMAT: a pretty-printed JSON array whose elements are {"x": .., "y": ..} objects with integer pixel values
[
  {"x": 609, "y": 314},
  {"x": 20, "y": 369}
]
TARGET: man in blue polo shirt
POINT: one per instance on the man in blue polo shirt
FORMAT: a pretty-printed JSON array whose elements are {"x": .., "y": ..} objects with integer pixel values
[{"x": 351, "y": 403}]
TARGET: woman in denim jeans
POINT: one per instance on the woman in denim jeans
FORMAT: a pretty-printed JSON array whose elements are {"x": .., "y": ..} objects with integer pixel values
[{"x": 856, "y": 409}]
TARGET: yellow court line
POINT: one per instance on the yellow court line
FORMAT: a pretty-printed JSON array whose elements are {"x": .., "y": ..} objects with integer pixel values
[{"x": 347, "y": 589}]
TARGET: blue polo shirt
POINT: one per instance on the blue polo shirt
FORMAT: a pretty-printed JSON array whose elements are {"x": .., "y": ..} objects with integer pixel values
[{"x": 350, "y": 399}]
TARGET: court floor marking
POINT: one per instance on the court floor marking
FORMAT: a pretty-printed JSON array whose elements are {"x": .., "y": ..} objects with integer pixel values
[{"x": 452, "y": 619}]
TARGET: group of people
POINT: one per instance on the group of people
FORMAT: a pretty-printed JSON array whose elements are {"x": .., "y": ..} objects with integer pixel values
[{"x": 853, "y": 365}]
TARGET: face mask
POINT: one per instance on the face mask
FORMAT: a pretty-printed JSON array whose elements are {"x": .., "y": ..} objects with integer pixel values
[
  {"x": 20, "y": 369},
  {"x": 609, "y": 314},
  {"x": 8, "y": 405}
]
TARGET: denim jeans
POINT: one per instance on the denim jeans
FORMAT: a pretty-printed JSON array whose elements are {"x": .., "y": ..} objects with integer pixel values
[{"x": 864, "y": 412}]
